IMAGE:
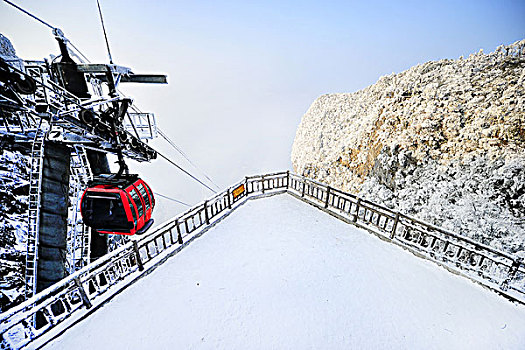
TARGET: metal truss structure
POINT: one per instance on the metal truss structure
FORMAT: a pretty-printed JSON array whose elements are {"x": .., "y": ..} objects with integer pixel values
[{"x": 38, "y": 103}]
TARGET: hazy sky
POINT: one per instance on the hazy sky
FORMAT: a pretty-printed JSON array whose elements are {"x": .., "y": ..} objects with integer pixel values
[{"x": 242, "y": 73}]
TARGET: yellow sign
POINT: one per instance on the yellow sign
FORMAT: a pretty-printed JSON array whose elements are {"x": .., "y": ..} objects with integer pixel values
[{"x": 238, "y": 191}]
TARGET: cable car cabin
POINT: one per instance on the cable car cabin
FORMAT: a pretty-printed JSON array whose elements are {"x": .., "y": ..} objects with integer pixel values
[{"x": 118, "y": 206}]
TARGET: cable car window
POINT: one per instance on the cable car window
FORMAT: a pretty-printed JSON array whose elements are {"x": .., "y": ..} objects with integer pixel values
[
  {"x": 104, "y": 210},
  {"x": 132, "y": 208},
  {"x": 150, "y": 194},
  {"x": 136, "y": 199},
  {"x": 144, "y": 194}
]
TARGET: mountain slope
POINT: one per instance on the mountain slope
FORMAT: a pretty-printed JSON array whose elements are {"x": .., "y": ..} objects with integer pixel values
[{"x": 443, "y": 141}]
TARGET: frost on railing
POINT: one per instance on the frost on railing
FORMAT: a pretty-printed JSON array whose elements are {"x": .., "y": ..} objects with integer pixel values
[
  {"x": 491, "y": 267},
  {"x": 91, "y": 286},
  {"x": 95, "y": 283}
]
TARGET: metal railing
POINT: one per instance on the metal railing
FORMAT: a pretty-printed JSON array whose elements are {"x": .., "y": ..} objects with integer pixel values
[
  {"x": 493, "y": 268},
  {"x": 75, "y": 296},
  {"x": 142, "y": 125},
  {"x": 65, "y": 303}
]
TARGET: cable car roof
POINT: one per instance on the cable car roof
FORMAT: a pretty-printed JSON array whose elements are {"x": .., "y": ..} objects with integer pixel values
[{"x": 121, "y": 182}]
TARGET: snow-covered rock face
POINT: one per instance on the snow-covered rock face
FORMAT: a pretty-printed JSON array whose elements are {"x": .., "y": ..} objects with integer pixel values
[
  {"x": 14, "y": 190},
  {"x": 6, "y": 48},
  {"x": 443, "y": 141}
]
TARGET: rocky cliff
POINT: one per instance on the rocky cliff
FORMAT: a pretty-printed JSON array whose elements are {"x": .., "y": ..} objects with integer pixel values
[
  {"x": 443, "y": 141},
  {"x": 14, "y": 191}
]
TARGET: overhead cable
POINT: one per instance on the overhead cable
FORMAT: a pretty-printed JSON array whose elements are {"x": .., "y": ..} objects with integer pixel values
[
  {"x": 30, "y": 14},
  {"x": 185, "y": 172},
  {"x": 44, "y": 23},
  {"x": 79, "y": 52},
  {"x": 178, "y": 149},
  {"x": 163, "y": 156},
  {"x": 104, "y": 30},
  {"x": 171, "y": 199}
]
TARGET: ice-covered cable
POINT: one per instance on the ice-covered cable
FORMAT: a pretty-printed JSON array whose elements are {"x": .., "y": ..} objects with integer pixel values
[
  {"x": 185, "y": 171},
  {"x": 178, "y": 149}
]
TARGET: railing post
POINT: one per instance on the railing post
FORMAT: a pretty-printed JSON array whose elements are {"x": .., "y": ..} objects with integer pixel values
[
  {"x": 287, "y": 179},
  {"x": 357, "y": 206},
  {"x": 164, "y": 241},
  {"x": 262, "y": 183},
  {"x": 171, "y": 236},
  {"x": 137, "y": 256},
  {"x": 206, "y": 213},
  {"x": 246, "y": 182},
  {"x": 186, "y": 225},
  {"x": 83, "y": 295},
  {"x": 327, "y": 196},
  {"x": 480, "y": 262},
  {"x": 304, "y": 186},
  {"x": 179, "y": 235},
  {"x": 458, "y": 253},
  {"x": 228, "y": 197},
  {"x": 512, "y": 273},
  {"x": 394, "y": 228},
  {"x": 445, "y": 247}
]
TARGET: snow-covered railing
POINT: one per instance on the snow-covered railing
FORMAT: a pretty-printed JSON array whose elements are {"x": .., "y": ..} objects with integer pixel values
[
  {"x": 496, "y": 269},
  {"x": 52, "y": 311},
  {"x": 57, "y": 308}
]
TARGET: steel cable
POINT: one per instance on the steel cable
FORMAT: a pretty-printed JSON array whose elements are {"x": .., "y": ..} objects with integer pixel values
[
  {"x": 171, "y": 199},
  {"x": 44, "y": 23},
  {"x": 178, "y": 149},
  {"x": 184, "y": 171},
  {"x": 104, "y": 30},
  {"x": 29, "y": 14}
]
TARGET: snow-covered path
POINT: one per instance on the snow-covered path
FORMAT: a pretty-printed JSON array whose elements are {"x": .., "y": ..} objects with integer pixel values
[{"x": 280, "y": 274}]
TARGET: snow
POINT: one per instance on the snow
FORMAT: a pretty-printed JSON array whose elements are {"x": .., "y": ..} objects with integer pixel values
[
  {"x": 443, "y": 141},
  {"x": 13, "y": 226},
  {"x": 281, "y": 274}
]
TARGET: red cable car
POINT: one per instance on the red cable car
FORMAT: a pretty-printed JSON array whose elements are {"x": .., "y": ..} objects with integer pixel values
[{"x": 121, "y": 206}]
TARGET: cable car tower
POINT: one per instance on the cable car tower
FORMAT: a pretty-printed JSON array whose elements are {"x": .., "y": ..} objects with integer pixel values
[{"x": 68, "y": 114}]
